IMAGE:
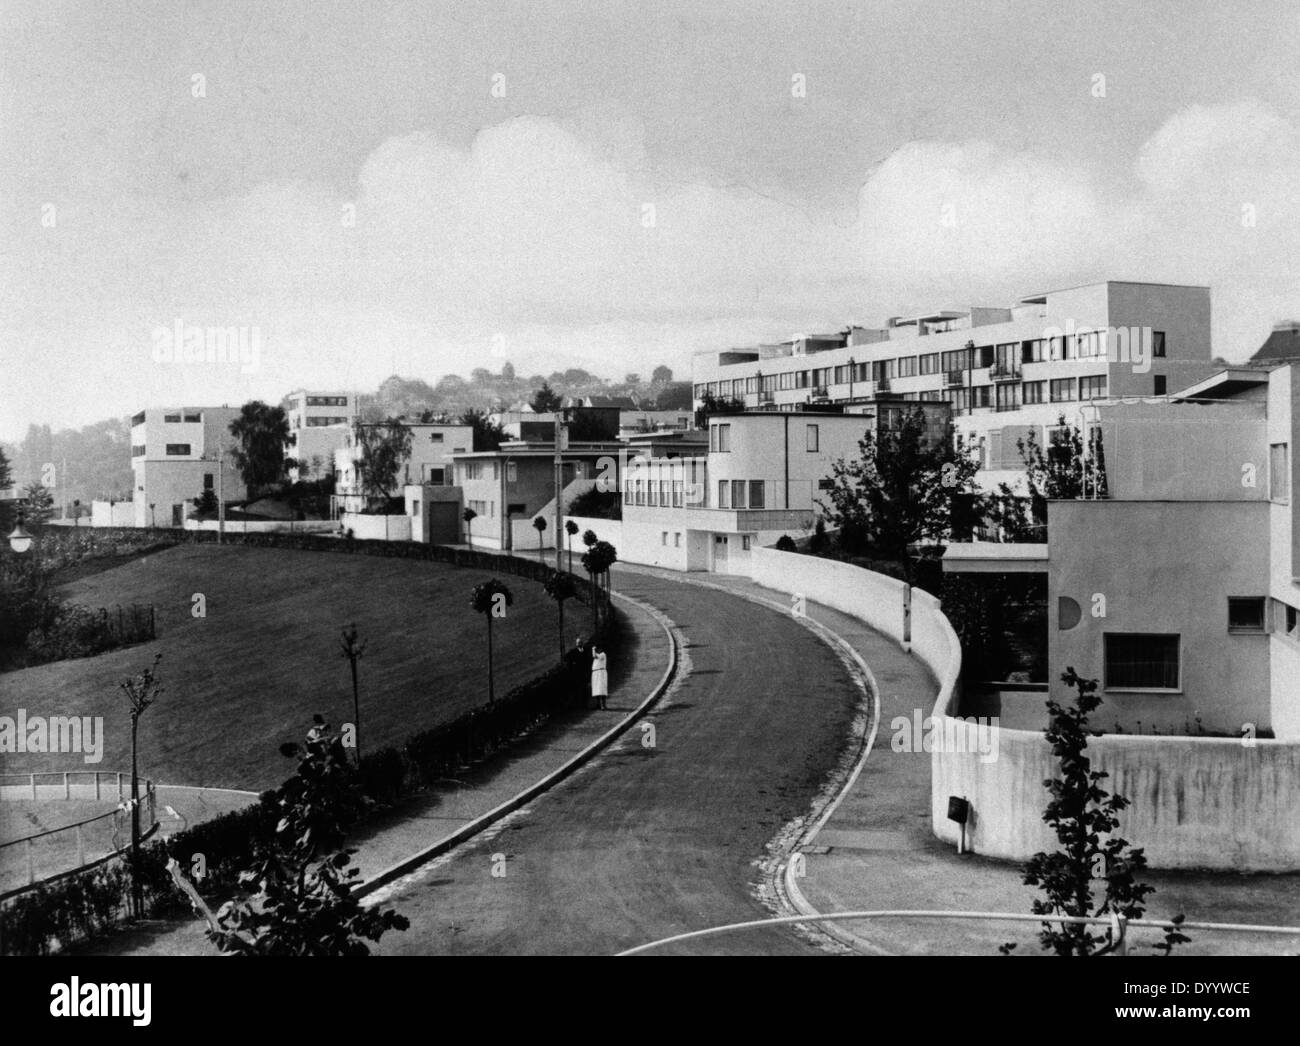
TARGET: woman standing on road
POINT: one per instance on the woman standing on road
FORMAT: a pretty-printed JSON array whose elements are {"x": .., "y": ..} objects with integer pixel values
[{"x": 599, "y": 675}]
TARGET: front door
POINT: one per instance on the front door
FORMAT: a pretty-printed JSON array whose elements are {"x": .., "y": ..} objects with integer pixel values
[{"x": 719, "y": 553}]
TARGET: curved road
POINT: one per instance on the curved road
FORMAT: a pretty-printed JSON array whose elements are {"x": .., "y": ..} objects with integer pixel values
[{"x": 647, "y": 842}]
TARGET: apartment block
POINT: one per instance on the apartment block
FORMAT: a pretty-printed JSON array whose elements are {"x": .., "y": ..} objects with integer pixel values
[
  {"x": 319, "y": 423},
  {"x": 176, "y": 454},
  {"x": 1007, "y": 371}
]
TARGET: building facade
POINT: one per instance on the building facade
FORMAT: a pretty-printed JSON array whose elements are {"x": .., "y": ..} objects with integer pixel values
[
  {"x": 433, "y": 448},
  {"x": 176, "y": 454},
  {"x": 319, "y": 423}
]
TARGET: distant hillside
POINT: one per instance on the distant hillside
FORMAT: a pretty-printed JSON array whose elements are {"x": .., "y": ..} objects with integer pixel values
[{"x": 98, "y": 456}]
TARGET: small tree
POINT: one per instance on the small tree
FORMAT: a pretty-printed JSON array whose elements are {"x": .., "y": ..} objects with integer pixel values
[
  {"x": 491, "y": 599},
  {"x": 539, "y": 525},
  {"x": 141, "y": 692},
  {"x": 560, "y": 587},
  {"x": 487, "y": 434},
  {"x": 546, "y": 400},
  {"x": 902, "y": 490},
  {"x": 1057, "y": 472},
  {"x": 304, "y": 901},
  {"x": 40, "y": 503},
  {"x": 1082, "y": 813},
  {"x": 469, "y": 515},
  {"x": 384, "y": 449},
  {"x": 206, "y": 503},
  {"x": 597, "y": 560},
  {"x": 353, "y": 650},
  {"x": 570, "y": 528}
]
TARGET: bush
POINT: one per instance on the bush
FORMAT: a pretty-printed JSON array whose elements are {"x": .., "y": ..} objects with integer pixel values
[
  {"x": 597, "y": 504},
  {"x": 785, "y": 543}
]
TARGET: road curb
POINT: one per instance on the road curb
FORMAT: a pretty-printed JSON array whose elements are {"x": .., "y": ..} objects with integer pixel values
[{"x": 468, "y": 831}]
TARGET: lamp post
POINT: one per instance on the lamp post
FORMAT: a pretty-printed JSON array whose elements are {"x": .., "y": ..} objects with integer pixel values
[{"x": 19, "y": 539}]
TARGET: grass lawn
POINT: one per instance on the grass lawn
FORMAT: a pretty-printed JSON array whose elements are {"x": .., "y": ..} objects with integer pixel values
[{"x": 266, "y": 657}]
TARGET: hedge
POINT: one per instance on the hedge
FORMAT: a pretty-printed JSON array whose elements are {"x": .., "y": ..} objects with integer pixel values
[{"x": 88, "y": 904}]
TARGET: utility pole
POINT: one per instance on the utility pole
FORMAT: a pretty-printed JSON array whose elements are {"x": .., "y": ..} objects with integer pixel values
[
  {"x": 559, "y": 480},
  {"x": 221, "y": 487}
]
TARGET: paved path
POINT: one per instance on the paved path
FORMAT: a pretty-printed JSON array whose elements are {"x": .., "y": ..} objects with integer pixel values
[{"x": 648, "y": 842}]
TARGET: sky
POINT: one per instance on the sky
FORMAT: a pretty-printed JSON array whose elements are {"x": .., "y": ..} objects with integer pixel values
[{"x": 424, "y": 188}]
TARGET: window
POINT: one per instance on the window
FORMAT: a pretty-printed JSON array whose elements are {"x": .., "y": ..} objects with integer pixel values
[
  {"x": 652, "y": 495},
  {"x": 724, "y": 494},
  {"x": 1160, "y": 384},
  {"x": 930, "y": 363},
  {"x": 1062, "y": 390},
  {"x": 1008, "y": 396},
  {"x": 325, "y": 422},
  {"x": 415, "y": 508},
  {"x": 721, "y": 439},
  {"x": 207, "y": 481},
  {"x": 812, "y": 436},
  {"x": 663, "y": 538},
  {"x": 1035, "y": 391},
  {"x": 512, "y": 472},
  {"x": 1137, "y": 661},
  {"x": 437, "y": 476},
  {"x": 327, "y": 401},
  {"x": 177, "y": 450},
  {"x": 1158, "y": 344},
  {"x": 193, "y": 417},
  {"x": 980, "y": 396},
  {"x": 737, "y": 493},
  {"x": 677, "y": 539},
  {"x": 1245, "y": 613},
  {"x": 1035, "y": 351},
  {"x": 172, "y": 419},
  {"x": 756, "y": 499},
  {"x": 435, "y": 437},
  {"x": 745, "y": 541},
  {"x": 678, "y": 486},
  {"x": 138, "y": 451},
  {"x": 907, "y": 367},
  {"x": 1092, "y": 388},
  {"x": 1279, "y": 472}
]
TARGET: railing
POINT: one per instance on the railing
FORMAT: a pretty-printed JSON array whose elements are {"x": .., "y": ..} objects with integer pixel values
[
  {"x": 1001, "y": 372},
  {"x": 56, "y": 852},
  {"x": 882, "y": 384},
  {"x": 954, "y": 379}
]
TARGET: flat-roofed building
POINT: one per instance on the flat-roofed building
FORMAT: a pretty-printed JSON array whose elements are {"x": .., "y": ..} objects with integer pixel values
[{"x": 177, "y": 453}]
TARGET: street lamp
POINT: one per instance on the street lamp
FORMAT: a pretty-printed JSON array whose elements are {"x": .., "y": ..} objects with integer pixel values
[{"x": 20, "y": 540}]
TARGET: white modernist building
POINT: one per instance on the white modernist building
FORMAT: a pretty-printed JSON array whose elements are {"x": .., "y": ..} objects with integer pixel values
[
  {"x": 319, "y": 423},
  {"x": 176, "y": 454}
]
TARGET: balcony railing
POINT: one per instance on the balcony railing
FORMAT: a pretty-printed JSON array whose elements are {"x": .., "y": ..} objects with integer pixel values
[
  {"x": 1001, "y": 372},
  {"x": 882, "y": 384},
  {"x": 767, "y": 397},
  {"x": 819, "y": 392},
  {"x": 954, "y": 379}
]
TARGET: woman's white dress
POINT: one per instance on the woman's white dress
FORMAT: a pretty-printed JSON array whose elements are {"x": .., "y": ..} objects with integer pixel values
[{"x": 599, "y": 676}]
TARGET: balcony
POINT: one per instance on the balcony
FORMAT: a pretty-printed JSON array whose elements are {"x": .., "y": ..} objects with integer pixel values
[
  {"x": 819, "y": 392},
  {"x": 767, "y": 397},
  {"x": 954, "y": 379},
  {"x": 882, "y": 384},
  {"x": 1001, "y": 372}
]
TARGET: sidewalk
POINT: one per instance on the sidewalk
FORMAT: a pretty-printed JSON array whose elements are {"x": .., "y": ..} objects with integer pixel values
[
  {"x": 429, "y": 817},
  {"x": 877, "y": 852}
]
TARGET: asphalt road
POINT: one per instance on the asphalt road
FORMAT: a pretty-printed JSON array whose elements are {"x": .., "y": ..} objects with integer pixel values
[{"x": 646, "y": 842}]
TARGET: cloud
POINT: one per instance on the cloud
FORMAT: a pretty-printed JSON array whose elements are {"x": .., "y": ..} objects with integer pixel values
[{"x": 560, "y": 236}]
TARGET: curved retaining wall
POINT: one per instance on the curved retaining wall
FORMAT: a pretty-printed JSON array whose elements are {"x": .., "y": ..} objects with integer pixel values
[{"x": 1197, "y": 802}]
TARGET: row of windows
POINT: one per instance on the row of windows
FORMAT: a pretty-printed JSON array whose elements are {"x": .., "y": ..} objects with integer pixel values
[
  {"x": 740, "y": 493},
  {"x": 178, "y": 419},
  {"x": 720, "y": 438},
  {"x": 479, "y": 470},
  {"x": 320, "y": 423},
  {"x": 664, "y": 493},
  {"x": 487, "y": 509},
  {"x": 327, "y": 401},
  {"x": 1009, "y": 356}
]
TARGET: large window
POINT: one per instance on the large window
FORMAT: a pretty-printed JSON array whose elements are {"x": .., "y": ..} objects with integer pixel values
[
  {"x": 737, "y": 493},
  {"x": 1062, "y": 390},
  {"x": 721, "y": 442},
  {"x": 981, "y": 396},
  {"x": 907, "y": 367},
  {"x": 756, "y": 499},
  {"x": 1141, "y": 661},
  {"x": 1008, "y": 396},
  {"x": 1092, "y": 388},
  {"x": 1279, "y": 472},
  {"x": 1035, "y": 392},
  {"x": 1158, "y": 344},
  {"x": 813, "y": 438},
  {"x": 177, "y": 450},
  {"x": 930, "y": 363},
  {"x": 724, "y": 493}
]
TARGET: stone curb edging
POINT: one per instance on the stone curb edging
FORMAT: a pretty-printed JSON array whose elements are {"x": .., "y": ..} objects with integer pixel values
[
  {"x": 468, "y": 831},
  {"x": 785, "y": 877}
]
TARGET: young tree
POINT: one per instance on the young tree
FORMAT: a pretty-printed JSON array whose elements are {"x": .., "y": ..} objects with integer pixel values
[
  {"x": 353, "y": 649},
  {"x": 539, "y": 525},
  {"x": 384, "y": 449},
  {"x": 902, "y": 490},
  {"x": 303, "y": 901},
  {"x": 141, "y": 692},
  {"x": 487, "y": 434},
  {"x": 260, "y": 432},
  {"x": 1082, "y": 812},
  {"x": 469, "y": 515},
  {"x": 597, "y": 560},
  {"x": 1057, "y": 472},
  {"x": 570, "y": 528},
  {"x": 206, "y": 503},
  {"x": 491, "y": 599},
  {"x": 546, "y": 399},
  {"x": 560, "y": 587},
  {"x": 40, "y": 503}
]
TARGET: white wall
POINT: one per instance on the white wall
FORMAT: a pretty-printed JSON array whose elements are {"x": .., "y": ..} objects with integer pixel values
[
  {"x": 260, "y": 526},
  {"x": 376, "y": 528},
  {"x": 112, "y": 513}
]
